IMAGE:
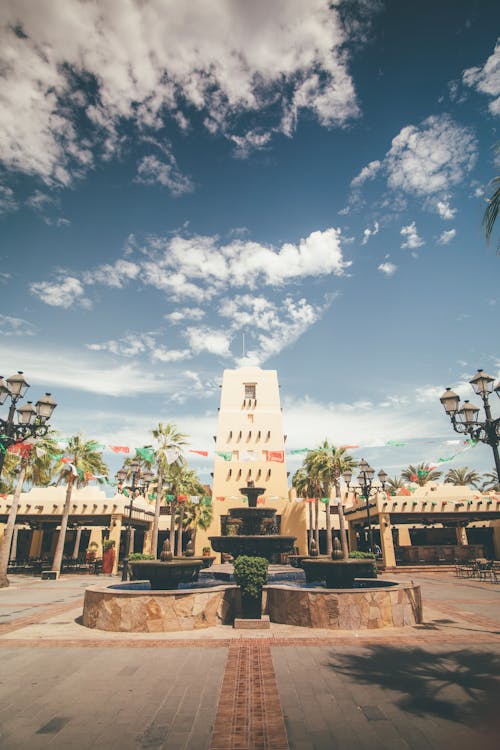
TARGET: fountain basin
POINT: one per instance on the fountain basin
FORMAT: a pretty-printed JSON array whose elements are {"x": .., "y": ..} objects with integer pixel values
[
  {"x": 269, "y": 546},
  {"x": 338, "y": 574},
  {"x": 379, "y": 606},
  {"x": 135, "y": 608},
  {"x": 166, "y": 575}
]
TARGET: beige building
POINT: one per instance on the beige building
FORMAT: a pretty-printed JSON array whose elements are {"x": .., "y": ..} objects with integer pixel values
[{"x": 250, "y": 447}]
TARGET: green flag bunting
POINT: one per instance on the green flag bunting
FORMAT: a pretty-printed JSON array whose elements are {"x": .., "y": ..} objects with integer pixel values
[
  {"x": 147, "y": 454},
  {"x": 226, "y": 455}
]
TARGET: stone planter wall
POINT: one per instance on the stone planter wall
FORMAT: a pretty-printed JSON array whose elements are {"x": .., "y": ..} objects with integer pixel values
[
  {"x": 350, "y": 609},
  {"x": 145, "y": 611}
]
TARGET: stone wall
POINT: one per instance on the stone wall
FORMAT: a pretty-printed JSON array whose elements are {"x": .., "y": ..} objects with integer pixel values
[
  {"x": 143, "y": 611},
  {"x": 333, "y": 609}
]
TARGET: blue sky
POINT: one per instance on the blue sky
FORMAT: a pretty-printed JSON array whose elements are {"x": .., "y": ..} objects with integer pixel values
[{"x": 311, "y": 175}]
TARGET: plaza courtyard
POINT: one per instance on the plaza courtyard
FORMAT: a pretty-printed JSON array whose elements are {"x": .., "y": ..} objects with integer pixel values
[{"x": 433, "y": 685}]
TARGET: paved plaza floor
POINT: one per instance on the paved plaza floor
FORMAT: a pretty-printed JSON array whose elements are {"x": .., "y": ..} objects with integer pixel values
[{"x": 435, "y": 685}]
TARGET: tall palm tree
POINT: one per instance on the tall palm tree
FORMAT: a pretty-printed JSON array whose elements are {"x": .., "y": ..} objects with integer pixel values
[
  {"x": 169, "y": 441},
  {"x": 420, "y": 474},
  {"x": 197, "y": 516},
  {"x": 491, "y": 211},
  {"x": 327, "y": 464},
  {"x": 462, "y": 477},
  {"x": 303, "y": 484},
  {"x": 394, "y": 484},
  {"x": 186, "y": 483},
  {"x": 86, "y": 462},
  {"x": 34, "y": 467}
]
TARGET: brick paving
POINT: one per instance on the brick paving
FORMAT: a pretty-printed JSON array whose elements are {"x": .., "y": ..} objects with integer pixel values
[{"x": 426, "y": 687}]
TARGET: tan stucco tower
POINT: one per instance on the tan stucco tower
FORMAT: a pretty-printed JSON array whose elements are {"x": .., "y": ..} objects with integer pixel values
[{"x": 250, "y": 446}]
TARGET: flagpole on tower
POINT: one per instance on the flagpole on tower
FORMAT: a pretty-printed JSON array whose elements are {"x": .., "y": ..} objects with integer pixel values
[{"x": 243, "y": 336}]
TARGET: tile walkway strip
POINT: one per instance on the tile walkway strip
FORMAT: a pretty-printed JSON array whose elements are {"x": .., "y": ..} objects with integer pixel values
[
  {"x": 249, "y": 714},
  {"x": 45, "y": 614}
]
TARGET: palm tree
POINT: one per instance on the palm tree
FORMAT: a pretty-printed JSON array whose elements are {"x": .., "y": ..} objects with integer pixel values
[
  {"x": 86, "y": 462},
  {"x": 420, "y": 474},
  {"x": 394, "y": 484},
  {"x": 186, "y": 483},
  {"x": 327, "y": 464},
  {"x": 197, "y": 516},
  {"x": 170, "y": 441},
  {"x": 490, "y": 482},
  {"x": 34, "y": 466},
  {"x": 303, "y": 484},
  {"x": 462, "y": 477},
  {"x": 491, "y": 211}
]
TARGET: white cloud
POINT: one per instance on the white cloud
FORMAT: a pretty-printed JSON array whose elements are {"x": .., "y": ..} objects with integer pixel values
[
  {"x": 446, "y": 237},
  {"x": 128, "y": 346},
  {"x": 8, "y": 203},
  {"x": 187, "y": 313},
  {"x": 206, "y": 339},
  {"x": 431, "y": 158},
  {"x": 65, "y": 292},
  {"x": 487, "y": 79},
  {"x": 444, "y": 209},
  {"x": 152, "y": 170},
  {"x": 370, "y": 233},
  {"x": 388, "y": 268},
  {"x": 113, "y": 275},
  {"x": 412, "y": 240},
  {"x": 10, "y": 326},
  {"x": 159, "y": 60},
  {"x": 367, "y": 173}
]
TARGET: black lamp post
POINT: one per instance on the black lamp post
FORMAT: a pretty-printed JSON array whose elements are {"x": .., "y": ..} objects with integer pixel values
[
  {"x": 138, "y": 480},
  {"x": 465, "y": 420},
  {"x": 32, "y": 420},
  {"x": 364, "y": 488}
]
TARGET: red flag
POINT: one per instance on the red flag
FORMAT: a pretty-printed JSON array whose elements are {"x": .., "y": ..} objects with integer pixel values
[
  {"x": 309, "y": 499},
  {"x": 181, "y": 498},
  {"x": 65, "y": 460},
  {"x": 22, "y": 449},
  {"x": 221, "y": 499},
  {"x": 200, "y": 453},
  {"x": 120, "y": 448},
  {"x": 278, "y": 456},
  {"x": 261, "y": 500},
  {"x": 89, "y": 476},
  {"x": 346, "y": 447}
]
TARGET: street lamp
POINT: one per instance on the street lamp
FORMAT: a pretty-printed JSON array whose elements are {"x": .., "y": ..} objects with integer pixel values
[
  {"x": 32, "y": 420},
  {"x": 465, "y": 420},
  {"x": 134, "y": 480},
  {"x": 364, "y": 488}
]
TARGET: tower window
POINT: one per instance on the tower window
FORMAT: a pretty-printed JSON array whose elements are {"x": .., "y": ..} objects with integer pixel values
[{"x": 250, "y": 390}]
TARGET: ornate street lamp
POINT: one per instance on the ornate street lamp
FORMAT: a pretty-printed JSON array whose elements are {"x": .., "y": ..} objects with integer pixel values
[
  {"x": 134, "y": 480},
  {"x": 364, "y": 488},
  {"x": 465, "y": 420},
  {"x": 32, "y": 420}
]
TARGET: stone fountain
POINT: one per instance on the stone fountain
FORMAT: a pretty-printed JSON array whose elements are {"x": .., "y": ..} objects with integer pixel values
[
  {"x": 168, "y": 572},
  {"x": 254, "y": 531}
]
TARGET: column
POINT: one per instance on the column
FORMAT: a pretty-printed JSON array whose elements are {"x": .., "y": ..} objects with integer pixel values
[
  {"x": 461, "y": 532},
  {"x": 95, "y": 541},
  {"x": 115, "y": 530},
  {"x": 404, "y": 536},
  {"x": 148, "y": 538},
  {"x": 132, "y": 537},
  {"x": 387, "y": 544},
  {"x": 76, "y": 548},
  {"x": 353, "y": 541},
  {"x": 36, "y": 543}
]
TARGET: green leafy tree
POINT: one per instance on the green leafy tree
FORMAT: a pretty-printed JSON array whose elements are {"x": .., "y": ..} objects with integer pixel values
[
  {"x": 420, "y": 474},
  {"x": 490, "y": 482},
  {"x": 462, "y": 477},
  {"x": 326, "y": 464},
  {"x": 86, "y": 462},
  {"x": 169, "y": 441},
  {"x": 395, "y": 484}
]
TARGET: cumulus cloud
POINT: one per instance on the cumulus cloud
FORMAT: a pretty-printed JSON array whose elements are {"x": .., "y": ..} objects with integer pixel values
[
  {"x": 154, "y": 62},
  {"x": 446, "y": 237},
  {"x": 152, "y": 170},
  {"x": 444, "y": 209},
  {"x": 412, "y": 240},
  {"x": 367, "y": 173},
  {"x": 388, "y": 268},
  {"x": 65, "y": 292},
  {"x": 486, "y": 80},
  {"x": 187, "y": 313},
  {"x": 210, "y": 340}
]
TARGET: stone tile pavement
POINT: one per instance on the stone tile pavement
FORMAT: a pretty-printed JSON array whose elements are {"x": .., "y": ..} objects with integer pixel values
[{"x": 430, "y": 686}]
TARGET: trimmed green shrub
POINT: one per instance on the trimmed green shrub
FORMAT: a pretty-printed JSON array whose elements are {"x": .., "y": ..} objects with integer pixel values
[
  {"x": 140, "y": 556},
  {"x": 358, "y": 555},
  {"x": 250, "y": 573}
]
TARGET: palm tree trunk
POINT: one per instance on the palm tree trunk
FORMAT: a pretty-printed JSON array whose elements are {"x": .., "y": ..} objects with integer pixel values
[
  {"x": 179, "y": 530},
  {"x": 156, "y": 520},
  {"x": 9, "y": 528},
  {"x": 343, "y": 535},
  {"x": 311, "y": 527},
  {"x": 316, "y": 522},
  {"x": 171, "y": 537},
  {"x": 329, "y": 543},
  {"x": 56, "y": 565}
]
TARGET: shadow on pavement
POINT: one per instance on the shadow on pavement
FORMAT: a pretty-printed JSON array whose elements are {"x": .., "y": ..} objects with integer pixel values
[{"x": 460, "y": 686}]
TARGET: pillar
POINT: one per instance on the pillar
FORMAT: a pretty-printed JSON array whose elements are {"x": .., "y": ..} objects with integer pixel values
[
  {"x": 404, "y": 536},
  {"x": 95, "y": 541},
  {"x": 115, "y": 530},
  {"x": 132, "y": 537},
  {"x": 386, "y": 541},
  {"x": 36, "y": 543},
  {"x": 76, "y": 548},
  {"x": 353, "y": 540},
  {"x": 461, "y": 532},
  {"x": 496, "y": 539},
  {"x": 148, "y": 539}
]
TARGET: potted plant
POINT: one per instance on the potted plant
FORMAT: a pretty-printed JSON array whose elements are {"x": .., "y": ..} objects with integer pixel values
[
  {"x": 250, "y": 573},
  {"x": 108, "y": 555},
  {"x": 206, "y": 551}
]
